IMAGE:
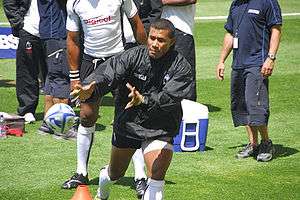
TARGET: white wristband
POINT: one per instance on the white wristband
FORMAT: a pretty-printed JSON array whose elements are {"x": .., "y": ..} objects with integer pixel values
[{"x": 74, "y": 75}]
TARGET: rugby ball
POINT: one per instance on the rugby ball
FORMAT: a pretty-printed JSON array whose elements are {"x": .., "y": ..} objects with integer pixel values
[{"x": 60, "y": 118}]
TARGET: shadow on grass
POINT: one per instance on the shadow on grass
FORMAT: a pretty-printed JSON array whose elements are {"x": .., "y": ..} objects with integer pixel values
[
  {"x": 107, "y": 101},
  {"x": 100, "y": 127},
  {"x": 7, "y": 83},
  {"x": 212, "y": 108},
  {"x": 124, "y": 181},
  {"x": 282, "y": 151},
  {"x": 237, "y": 146},
  {"x": 39, "y": 116},
  {"x": 208, "y": 148}
]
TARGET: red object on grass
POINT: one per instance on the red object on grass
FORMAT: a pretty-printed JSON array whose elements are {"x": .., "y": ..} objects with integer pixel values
[{"x": 15, "y": 131}]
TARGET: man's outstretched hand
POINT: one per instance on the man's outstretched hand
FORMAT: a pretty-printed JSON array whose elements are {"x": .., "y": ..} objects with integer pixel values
[
  {"x": 136, "y": 97},
  {"x": 83, "y": 92}
]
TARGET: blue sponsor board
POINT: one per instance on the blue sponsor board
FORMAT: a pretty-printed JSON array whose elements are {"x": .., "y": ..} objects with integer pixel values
[{"x": 8, "y": 43}]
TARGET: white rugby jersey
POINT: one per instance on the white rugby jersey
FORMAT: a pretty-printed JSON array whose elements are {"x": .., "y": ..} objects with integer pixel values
[
  {"x": 32, "y": 19},
  {"x": 128, "y": 33},
  {"x": 101, "y": 23},
  {"x": 181, "y": 16}
]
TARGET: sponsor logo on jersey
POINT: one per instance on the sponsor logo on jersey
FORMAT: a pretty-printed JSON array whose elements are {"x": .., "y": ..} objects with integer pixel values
[{"x": 97, "y": 20}]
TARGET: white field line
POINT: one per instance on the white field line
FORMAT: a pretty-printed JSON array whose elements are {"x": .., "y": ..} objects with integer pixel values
[
  {"x": 200, "y": 18},
  {"x": 225, "y": 17}
]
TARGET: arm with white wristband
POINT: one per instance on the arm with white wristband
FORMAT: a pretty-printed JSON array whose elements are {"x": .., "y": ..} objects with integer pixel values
[
  {"x": 73, "y": 51},
  {"x": 74, "y": 75}
]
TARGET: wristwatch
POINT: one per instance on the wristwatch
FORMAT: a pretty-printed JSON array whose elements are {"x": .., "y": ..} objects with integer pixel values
[{"x": 272, "y": 56}]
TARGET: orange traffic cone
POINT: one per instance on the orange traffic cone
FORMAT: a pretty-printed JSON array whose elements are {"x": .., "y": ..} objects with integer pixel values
[{"x": 82, "y": 193}]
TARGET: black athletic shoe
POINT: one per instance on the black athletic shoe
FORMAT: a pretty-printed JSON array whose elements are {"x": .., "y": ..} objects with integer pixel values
[
  {"x": 45, "y": 129},
  {"x": 266, "y": 151},
  {"x": 75, "y": 180},
  {"x": 140, "y": 186}
]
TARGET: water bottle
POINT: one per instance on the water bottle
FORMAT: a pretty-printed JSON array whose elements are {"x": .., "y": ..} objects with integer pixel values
[{"x": 2, "y": 128}]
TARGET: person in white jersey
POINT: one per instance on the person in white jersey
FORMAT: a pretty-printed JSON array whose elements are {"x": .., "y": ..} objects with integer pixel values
[
  {"x": 101, "y": 23},
  {"x": 181, "y": 13},
  {"x": 24, "y": 19}
]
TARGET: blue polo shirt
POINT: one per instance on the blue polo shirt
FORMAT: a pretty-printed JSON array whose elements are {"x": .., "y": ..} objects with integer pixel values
[
  {"x": 251, "y": 21},
  {"x": 52, "y": 20}
]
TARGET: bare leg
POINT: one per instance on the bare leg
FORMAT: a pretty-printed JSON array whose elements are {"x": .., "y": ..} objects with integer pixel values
[
  {"x": 157, "y": 162},
  {"x": 50, "y": 101},
  {"x": 252, "y": 134},
  {"x": 119, "y": 161},
  {"x": 263, "y": 130}
]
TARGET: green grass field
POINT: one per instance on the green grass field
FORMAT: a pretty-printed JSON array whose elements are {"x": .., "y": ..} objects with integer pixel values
[{"x": 33, "y": 167}]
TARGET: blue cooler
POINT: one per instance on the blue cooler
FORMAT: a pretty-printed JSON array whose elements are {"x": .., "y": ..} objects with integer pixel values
[{"x": 193, "y": 128}]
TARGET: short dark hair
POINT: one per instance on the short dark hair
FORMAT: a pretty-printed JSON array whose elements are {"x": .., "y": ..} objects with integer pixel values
[{"x": 164, "y": 24}]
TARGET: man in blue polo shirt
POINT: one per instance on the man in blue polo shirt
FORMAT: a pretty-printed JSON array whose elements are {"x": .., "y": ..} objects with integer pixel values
[
  {"x": 53, "y": 33},
  {"x": 253, "y": 32}
]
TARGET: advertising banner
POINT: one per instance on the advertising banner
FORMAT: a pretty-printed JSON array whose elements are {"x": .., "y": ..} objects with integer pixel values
[{"x": 8, "y": 43}]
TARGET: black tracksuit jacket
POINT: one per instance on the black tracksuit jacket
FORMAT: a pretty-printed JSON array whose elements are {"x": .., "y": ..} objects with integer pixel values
[
  {"x": 15, "y": 10},
  {"x": 163, "y": 82}
]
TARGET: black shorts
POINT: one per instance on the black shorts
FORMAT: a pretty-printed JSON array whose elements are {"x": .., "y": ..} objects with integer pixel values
[
  {"x": 121, "y": 141},
  {"x": 88, "y": 65},
  {"x": 249, "y": 97},
  {"x": 57, "y": 82}
]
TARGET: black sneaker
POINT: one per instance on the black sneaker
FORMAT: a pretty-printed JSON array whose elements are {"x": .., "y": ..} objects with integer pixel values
[
  {"x": 140, "y": 186},
  {"x": 45, "y": 129},
  {"x": 266, "y": 151},
  {"x": 247, "y": 151},
  {"x": 75, "y": 180}
]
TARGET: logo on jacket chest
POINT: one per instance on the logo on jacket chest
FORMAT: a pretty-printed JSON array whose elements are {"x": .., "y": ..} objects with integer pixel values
[
  {"x": 141, "y": 76},
  {"x": 166, "y": 79},
  {"x": 253, "y": 11}
]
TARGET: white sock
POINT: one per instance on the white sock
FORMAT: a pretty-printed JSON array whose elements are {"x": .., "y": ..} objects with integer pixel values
[
  {"x": 139, "y": 165},
  {"x": 154, "y": 190},
  {"x": 85, "y": 137},
  {"x": 104, "y": 184}
]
